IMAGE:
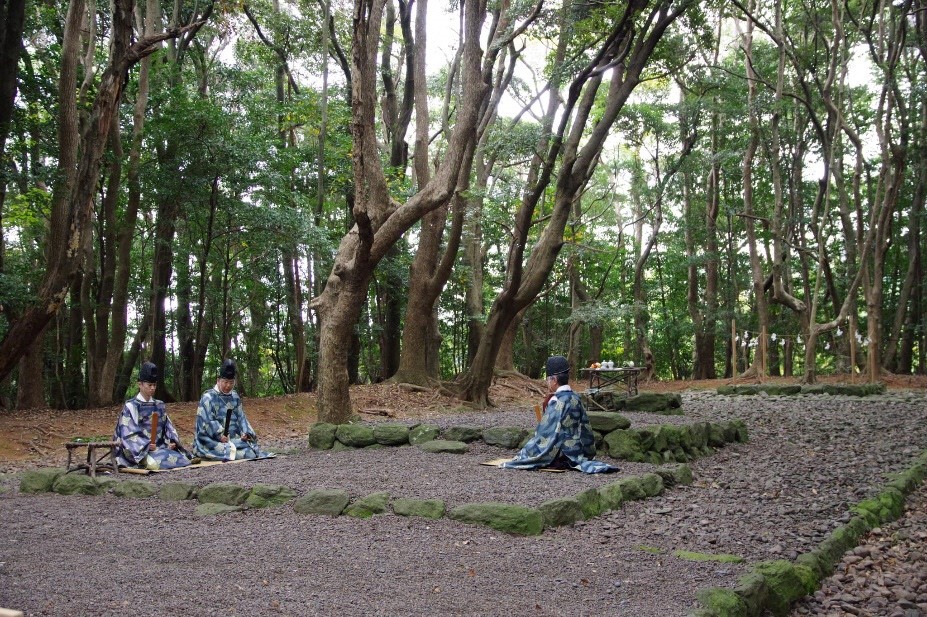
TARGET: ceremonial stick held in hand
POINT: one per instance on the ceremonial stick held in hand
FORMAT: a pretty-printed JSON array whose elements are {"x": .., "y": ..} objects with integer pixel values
[
  {"x": 228, "y": 419},
  {"x": 154, "y": 428}
]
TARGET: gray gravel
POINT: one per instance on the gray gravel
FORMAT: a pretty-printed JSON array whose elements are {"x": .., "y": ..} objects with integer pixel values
[{"x": 809, "y": 459}]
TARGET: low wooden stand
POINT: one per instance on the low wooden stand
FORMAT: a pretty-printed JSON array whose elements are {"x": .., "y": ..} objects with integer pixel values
[
  {"x": 97, "y": 452},
  {"x": 602, "y": 377}
]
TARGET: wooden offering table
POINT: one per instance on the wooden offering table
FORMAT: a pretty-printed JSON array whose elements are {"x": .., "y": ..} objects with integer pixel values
[
  {"x": 97, "y": 452},
  {"x": 603, "y": 377}
]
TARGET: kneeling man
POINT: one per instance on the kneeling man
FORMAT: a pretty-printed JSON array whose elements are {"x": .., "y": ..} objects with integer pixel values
[
  {"x": 563, "y": 439},
  {"x": 222, "y": 430},
  {"x": 145, "y": 436}
]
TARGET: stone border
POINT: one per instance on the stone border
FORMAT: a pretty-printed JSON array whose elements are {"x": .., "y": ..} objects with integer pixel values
[
  {"x": 864, "y": 389},
  {"x": 663, "y": 443},
  {"x": 775, "y": 585},
  {"x": 224, "y": 497},
  {"x": 655, "y": 444},
  {"x": 610, "y": 399}
]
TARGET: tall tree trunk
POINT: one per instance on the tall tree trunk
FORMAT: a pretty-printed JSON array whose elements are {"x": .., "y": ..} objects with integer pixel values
[
  {"x": 380, "y": 222},
  {"x": 124, "y": 235}
]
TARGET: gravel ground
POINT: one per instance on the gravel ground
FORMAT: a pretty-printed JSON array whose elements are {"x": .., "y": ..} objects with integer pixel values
[
  {"x": 809, "y": 459},
  {"x": 885, "y": 575}
]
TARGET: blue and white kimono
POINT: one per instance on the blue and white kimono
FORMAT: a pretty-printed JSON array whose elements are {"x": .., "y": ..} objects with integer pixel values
[
  {"x": 133, "y": 436},
  {"x": 563, "y": 435},
  {"x": 210, "y": 424}
]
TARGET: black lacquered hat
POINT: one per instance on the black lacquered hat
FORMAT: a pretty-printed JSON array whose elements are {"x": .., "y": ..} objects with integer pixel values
[
  {"x": 228, "y": 369},
  {"x": 149, "y": 373},
  {"x": 557, "y": 365}
]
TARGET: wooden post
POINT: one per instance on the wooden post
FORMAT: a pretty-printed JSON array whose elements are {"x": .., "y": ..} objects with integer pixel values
[
  {"x": 733, "y": 348},
  {"x": 853, "y": 348},
  {"x": 761, "y": 365}
]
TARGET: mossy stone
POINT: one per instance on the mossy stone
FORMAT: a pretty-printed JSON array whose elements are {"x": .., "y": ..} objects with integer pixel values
[
  {"x": 754, "y": 590},
  {"x": 391, "y": 434},
  {"x": 726, "y": 390},
  {"x": 611, "y": 496},
  {"x": 786, "y": 582},
  {"x": 675, "y": 474},
  {"x": 817, "y": 562},
  {"x": 513, "y": 519},
  {"x": 645, "y": 436},
  {"x": 624, "y": 445},
  {"x": 716, "y": 437},
  {"x": 177, "y": 491},
  {"x": 425, "y": 508},
  {"x": 721, "y": 602},
  {"x": 39, "y": 480},
  {"x": 590, "y": 501},
  {"x": 212, "y": 508},
  {"x": 504, "y": 436},
  {"x": 133, "y": 488},
  {"x": 269, "y": 495},
  {"x": 651, "y": 484},
  {"x": 653, "y": 402},
  {"x": 422, "y": 433},
  {"x": 686, "y": 438},
  {"x": 699, "y": 434},
  {"x": 465, "y": 434},
  {"x": 340, "y": 447},
  {"x": 355, "y": 435},
  {"x": 76, "y": 484},
  {"x": 437, "y": 446},
  {"x": 561, "y": 512},
  {"x": 741, "y": 435},
  {"x": 632, "y": 488},
  {"x": 322, "y": 436},
  {"x": 322, "y": 501},
  {"x": 365, "y": 507},
  {"x": 654, "y": 458},
  {"x": 607, "y": 421},
  {"x": 226, "y": 493}
]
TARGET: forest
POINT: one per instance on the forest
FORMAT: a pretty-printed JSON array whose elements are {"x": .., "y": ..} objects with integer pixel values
[{"x": 335, "y": 192}]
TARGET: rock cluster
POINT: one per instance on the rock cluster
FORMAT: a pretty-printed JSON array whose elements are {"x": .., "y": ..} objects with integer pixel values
[
  {"x": 665, "y": 443},
  {"x": 863, "y": 389},
  {"x": 225, "y": 497}
]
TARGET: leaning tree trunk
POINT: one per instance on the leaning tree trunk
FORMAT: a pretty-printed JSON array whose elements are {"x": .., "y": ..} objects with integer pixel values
[{"x": 576, "y": 145}]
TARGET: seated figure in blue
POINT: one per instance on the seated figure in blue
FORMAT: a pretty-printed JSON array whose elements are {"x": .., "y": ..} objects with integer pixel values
[
  {"x": 563, "y": 439},
  {"x": 222, "y": 430},
  {"x": 135, "y": 445}
]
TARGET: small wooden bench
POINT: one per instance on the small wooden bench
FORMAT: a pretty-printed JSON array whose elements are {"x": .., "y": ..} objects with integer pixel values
[{"x": 97, "y": 452}]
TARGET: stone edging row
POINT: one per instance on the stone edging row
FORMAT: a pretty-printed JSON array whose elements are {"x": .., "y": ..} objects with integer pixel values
[
  {"x": 610, "y": 399},
  {"x": 222, "y": 497},
  {"x": 863, "y": 389},
  {"x": 665, "y": 443},
  {"x": 774, "y": 585}
]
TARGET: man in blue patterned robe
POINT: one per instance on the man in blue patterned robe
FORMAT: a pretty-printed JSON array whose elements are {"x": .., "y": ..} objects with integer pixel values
[
  {"x": 563, "y": 439},
  {"x": 136, "y": 447},
  {"x": 217, "y": 405}
]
